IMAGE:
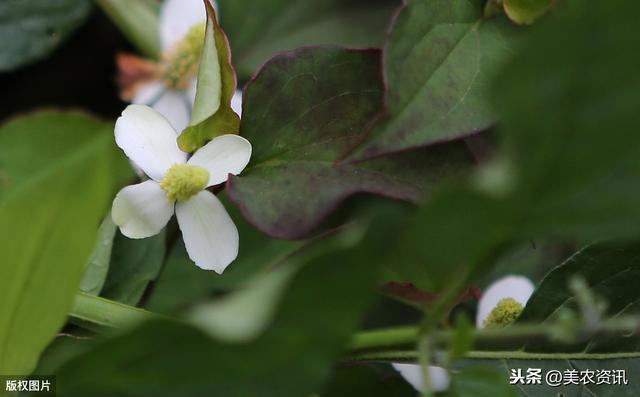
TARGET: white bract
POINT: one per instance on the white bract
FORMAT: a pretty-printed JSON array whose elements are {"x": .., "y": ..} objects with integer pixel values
[
  {"x": 502, "y": 301},
  {"x": 172, "y": 90},
  {"x": 178, "y": 185}
]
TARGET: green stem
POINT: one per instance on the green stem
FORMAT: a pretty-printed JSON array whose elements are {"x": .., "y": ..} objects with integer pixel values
[
  {"x": 404, "y": 336},
  {"x": 411, "y": 355},
  {"x": 382, "y": 338},
  {"x": 98, "y": 313}
]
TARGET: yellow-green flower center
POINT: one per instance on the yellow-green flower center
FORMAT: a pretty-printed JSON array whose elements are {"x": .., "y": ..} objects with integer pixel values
[
  {"x": 180, "y": 64},
  {"x": 505, "y": 313},
  {"x": 183, "y": 181}
]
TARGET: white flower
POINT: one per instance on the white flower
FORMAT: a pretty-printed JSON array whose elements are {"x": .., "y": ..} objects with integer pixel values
[
  {"x": 170, "y": 86},
  {"x": 178, "y": 183},
  {"x": 507, "y": 291},
  {"x": 412, "y": 373}
]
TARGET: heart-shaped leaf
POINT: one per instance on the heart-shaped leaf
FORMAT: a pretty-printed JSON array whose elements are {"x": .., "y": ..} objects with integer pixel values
[
  {"x": 302, "y": 111},
  {"x": 438, "y": 61}
]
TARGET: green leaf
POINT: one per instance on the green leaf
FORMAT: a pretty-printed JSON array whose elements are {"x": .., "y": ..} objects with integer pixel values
[
  {"x": 612, "y": 271},
  {"x": 320, "y": 308},
  {"x": 527, "y": 11},
  {"x": 260, "y": 28},
  {"x": 438, "y": 62},
  {"x": 318, "y": 102},
  {"x": 182, "y": 284},
  {"x": 97, "y": 268},
  {"x": 476, "y": 381},
  {"x": 134, "y": 264},
  {"x": 31, "y": 30},
  {"x": 48, "y": 218},
  {"x": 138, "y": 20},
  {"x": 212, "y": 114}
]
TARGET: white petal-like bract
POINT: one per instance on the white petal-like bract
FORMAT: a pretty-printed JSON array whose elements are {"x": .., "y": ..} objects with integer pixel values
[
  {"x": 224, "y": 155},
  {"x": 236, "y": 102},
  {"x": 148, "y": 139},
  {"x": 175, "y": 106},
  {"x": 412, "y": 373},
  {"x": 177, "y": 17},
  {"x": 149, "y": 92},
  {"x": 141, "y": 210},
  {"x": 209, "y": 234},
  {"x": 517, "y": 287}
]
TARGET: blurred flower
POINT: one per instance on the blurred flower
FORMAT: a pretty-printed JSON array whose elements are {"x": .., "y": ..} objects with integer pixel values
[
  {"x": 169, "y": 86},
  {"x": 412, "y": 373},
  {"x": 500, "y": 305},
  {"x": 178, "y": 185}
]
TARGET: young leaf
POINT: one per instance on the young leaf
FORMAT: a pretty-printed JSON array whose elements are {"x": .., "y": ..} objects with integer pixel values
[
  {"x": 527, "y": 11},
  {"x": 303, "y": 110},
  {"x": 438, "y": 61},
  {"x": 48, "y": 218},
  {"x": 30, "y": 30},
  {"x": 138, "y": 20},
  {"x": 261, "y": 28},
  {"x": 212, "y": 114}
]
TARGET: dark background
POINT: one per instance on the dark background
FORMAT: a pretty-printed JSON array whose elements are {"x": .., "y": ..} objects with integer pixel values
[{"x": 79, "y": 74}]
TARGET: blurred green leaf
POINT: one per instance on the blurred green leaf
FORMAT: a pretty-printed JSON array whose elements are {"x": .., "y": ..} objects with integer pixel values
[
  {"x": 260, "y": 28},
  {"x": 319, "y": 103},
  {"x": 134, "y": 264},
  {"x": 243, "y": 314},
  {"x": 438, "y": 62},
  {"x": 456, "y": 233},
  {"x": 49, "y": 214},
  {"x": 212, "y": 114},
  {"x": 527, "y": 11},
  {"x": 366, "y": 380},
  {"x": 32, "y": 29},
  {"x": 320, "y": 308},
  {"x": 612, "y": 271},
  {"x": 570, "y": 125},
  {"x": 96, "y": 270},
  {"x": 138, "y": 20}
]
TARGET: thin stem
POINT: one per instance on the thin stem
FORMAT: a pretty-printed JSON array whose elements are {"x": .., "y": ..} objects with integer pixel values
[
  {"x": 424, "y": 358},
  {"x": 412, "y": 355}
]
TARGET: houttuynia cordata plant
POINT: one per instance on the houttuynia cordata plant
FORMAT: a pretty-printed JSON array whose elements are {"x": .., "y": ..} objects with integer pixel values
[{"x": 371, "y": 198}]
